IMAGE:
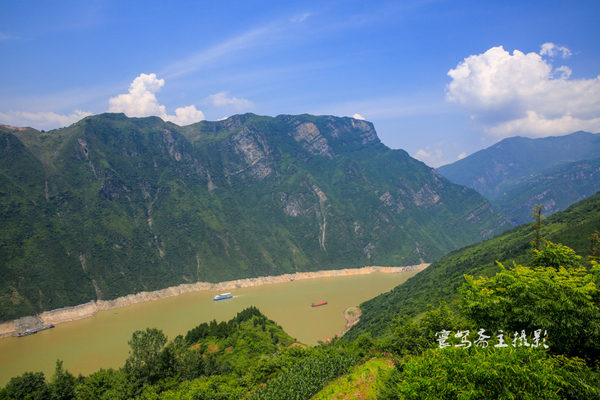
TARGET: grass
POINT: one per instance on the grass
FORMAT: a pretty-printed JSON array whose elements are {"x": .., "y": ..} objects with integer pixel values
[{"x": 362, "y": 383}]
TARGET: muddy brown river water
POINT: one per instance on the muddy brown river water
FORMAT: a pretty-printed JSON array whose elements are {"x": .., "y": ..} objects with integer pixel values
[{"x": 101, "y": 341}]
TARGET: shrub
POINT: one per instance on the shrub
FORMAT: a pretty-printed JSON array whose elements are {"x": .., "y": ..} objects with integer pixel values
[{"x": 491, "y": 373}]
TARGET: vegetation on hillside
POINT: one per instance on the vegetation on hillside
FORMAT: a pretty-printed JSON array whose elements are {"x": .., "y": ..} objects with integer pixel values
[
  {"x": 112, "y": 206},
  {"x": 514, "y": 161},
  {"x": 480, "y": 351},
  {"x": 527, "y": 332},
  {"x": 516, "y": 173},
  {"x": 441, "y": 280},
  {"x": 249, "y": 356}
]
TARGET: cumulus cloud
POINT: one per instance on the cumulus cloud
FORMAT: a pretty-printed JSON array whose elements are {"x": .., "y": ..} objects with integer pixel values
[
  {"x": 523, "y": 94},
  {"x": 431, "y": 157},
  {"x": 141, "y": 101},
  {"x": 358, "y": 116},
  {"x": 42, "y": 120},
  {"x": 462, "y": 155},
  {"x": 221, "y": 100},
  {"x": 550, "y": 49}
]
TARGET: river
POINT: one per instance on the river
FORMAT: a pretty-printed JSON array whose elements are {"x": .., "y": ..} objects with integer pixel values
[{"x": 101, "y": 341}]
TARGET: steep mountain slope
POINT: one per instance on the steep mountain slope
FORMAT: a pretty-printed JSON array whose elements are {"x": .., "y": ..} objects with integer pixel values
[
  {"x": 499, "y": 168},
  {"x": 114, "y": 205},
  {"x": 555, "y": 188},
  {"x": 440, "y": 281}
]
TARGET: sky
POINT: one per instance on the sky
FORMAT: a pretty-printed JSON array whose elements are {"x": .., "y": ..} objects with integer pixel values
[{"x": 439, "y": 79}]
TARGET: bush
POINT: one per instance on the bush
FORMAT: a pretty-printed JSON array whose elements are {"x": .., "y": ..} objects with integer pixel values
[
  {"x": 413, "y": 337},
  {"x": 561, "y": 301},
  {"x": 491, "y": 373},
  {"x": 307, "y": 376}
]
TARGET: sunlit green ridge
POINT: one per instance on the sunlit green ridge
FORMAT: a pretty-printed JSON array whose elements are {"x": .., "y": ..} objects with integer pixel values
[{"x": 113, "y": 205}]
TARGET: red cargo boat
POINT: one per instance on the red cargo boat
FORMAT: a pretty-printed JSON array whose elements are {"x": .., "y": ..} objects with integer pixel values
[{"x": 318, "y": 304}]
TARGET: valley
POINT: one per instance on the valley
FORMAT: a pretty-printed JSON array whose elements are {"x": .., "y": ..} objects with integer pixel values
[
  {"x": 148, "y": 220},
  {"x": 100, "y": 341},
  {"x": 111, "y": 206}
]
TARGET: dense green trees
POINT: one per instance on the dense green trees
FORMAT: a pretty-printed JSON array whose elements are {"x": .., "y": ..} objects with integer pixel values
[
  {"x": 62, "y": 384},
  {"x": 560, "y": 301},
  {"x": 500, "y": 349},
  {"x": 30, "y": 385},
  {"x": 490, "y": 373},
  {"x": 33, "y": 386},
  {"x": 441, "y": 280},
  {"x": 413, "y": 337},
  {"x": 555, "y": 295},
  {"x": 240, "y": 358},
  {"x": 528, "y": 332},
  {"x": 111, "y": 206}
]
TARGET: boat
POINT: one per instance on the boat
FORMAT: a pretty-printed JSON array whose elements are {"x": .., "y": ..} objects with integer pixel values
[
  {"x": 222, "y": 296},
  {"x": 35, "y": 330},
  {"x": 318, "y": 304},
  {"x": 49, "y": 326},
  {"x": 27, "y": 333}
]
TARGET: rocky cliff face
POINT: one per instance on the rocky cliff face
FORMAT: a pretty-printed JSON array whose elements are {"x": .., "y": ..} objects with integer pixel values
[{"x": 115, "y": 205}]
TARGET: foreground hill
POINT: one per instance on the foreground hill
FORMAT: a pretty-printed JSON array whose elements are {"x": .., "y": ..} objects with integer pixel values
[
  {"x": 440, "y": 281},
  {"x": 114, "y": 205},
  {"x": 517, "y": 173}
]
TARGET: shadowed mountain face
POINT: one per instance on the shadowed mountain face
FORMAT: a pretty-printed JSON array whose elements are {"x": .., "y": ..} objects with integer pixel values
[
  {"x": 518, "y": 173},
  {"x": 114, "y": 205}
]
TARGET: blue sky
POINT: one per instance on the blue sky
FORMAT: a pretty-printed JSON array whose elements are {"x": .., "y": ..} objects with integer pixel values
[{"x": 439, "y": 79}]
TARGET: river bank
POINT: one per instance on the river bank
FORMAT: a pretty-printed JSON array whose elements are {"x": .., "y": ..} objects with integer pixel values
[{"x": 68, "y": 314}]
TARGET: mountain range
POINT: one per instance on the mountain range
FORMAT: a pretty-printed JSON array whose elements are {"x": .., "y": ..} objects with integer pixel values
[
  {"x": 113, "y": 205},
  {"x": 517, "y": 173}
]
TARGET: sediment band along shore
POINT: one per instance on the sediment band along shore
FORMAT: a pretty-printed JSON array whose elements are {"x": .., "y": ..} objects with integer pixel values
[{"x": 67, "y": 314}]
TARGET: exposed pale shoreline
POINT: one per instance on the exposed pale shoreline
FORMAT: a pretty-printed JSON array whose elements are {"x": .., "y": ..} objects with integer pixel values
[{"x": 67, "y": 314}]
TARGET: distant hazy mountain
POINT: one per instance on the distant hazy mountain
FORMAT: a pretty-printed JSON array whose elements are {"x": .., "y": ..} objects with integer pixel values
[
  {"x": 114, "y": 205},
  {"x": 517, "y": 173},
  {"x": 555, "y": 188}
]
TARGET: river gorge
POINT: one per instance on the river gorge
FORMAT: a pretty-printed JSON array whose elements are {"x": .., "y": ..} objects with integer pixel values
[{"x": 98, "y": 334}]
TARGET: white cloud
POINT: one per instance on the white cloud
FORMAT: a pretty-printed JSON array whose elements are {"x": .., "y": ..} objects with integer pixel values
[
  {"x": 141, "y": 101},
  {"x": 522, "y": 94},
  {"x": 221, "y": 100},
  {"x": 462, "y": 155},
  {"x": 42, "y": 120},
  {"x": 432, "y": 157},
  {"x": 186, "y": 115},
  {"x": 358, "y": 116},
  {"x": 550, "y": 49},
  {"x": 301, "y": 17},
  {"x": 258, "y": 37}
]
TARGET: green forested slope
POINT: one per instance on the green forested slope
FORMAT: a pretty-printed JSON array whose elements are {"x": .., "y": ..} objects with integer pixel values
[
  {"x": 499, "y": 168},
  {"x": 440, "y": 281},
  {"x": 114, "y": 205}
]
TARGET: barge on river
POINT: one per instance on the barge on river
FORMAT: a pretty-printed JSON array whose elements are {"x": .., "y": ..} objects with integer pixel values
[
  {"x": 35, "y": 330},
  {"x": 318, "y": 304}
]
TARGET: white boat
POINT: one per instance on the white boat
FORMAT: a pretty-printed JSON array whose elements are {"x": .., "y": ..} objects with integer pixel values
[{"x": 223, "y": 296}]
